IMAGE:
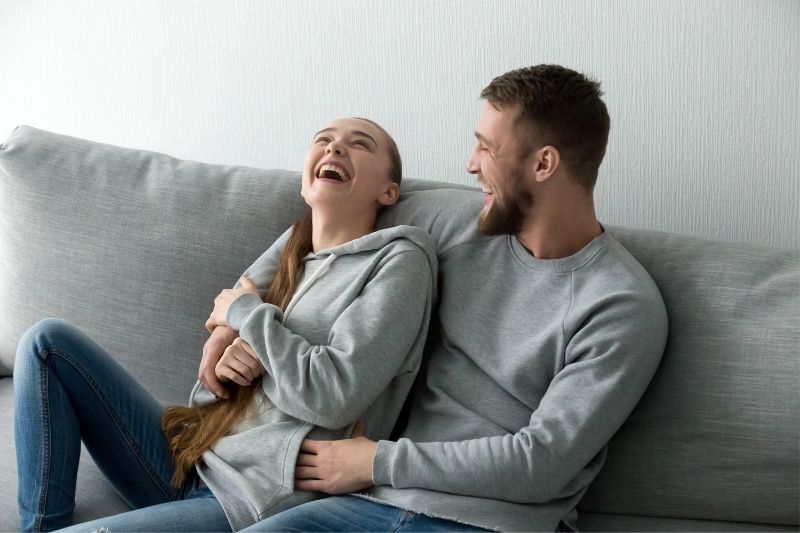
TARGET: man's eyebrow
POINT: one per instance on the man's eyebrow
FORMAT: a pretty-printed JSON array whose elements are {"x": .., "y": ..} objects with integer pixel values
[{"x": 483, "y": 139}]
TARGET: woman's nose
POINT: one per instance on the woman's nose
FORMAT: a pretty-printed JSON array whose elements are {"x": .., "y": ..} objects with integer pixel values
[{"x": 334, "y": 147}]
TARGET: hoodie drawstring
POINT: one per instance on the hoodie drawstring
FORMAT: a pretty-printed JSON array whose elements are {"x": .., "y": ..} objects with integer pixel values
[{"x": 307, "y": 285}]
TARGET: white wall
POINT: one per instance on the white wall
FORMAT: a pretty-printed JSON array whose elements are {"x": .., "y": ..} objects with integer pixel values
[{"x": 703, "y": 94}]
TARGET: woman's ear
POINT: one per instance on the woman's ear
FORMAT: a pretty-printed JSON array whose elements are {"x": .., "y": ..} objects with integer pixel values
[
  {"x": 545, "y": 162},
  {"x": 390, "y": 195}
]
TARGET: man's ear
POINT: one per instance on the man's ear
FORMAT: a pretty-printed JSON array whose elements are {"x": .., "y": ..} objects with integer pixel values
[
  {"x": 546, "y": 161},
  {"x": 389, "y": 195}
]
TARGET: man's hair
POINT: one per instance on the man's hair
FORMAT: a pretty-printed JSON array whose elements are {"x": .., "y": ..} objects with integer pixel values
[{"x": 557, "y": 107}]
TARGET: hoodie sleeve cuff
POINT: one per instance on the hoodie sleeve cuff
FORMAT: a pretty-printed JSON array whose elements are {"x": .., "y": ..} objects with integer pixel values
[
  {"x": 382, "y": 464},
  {"x": 240, "y": 309}
]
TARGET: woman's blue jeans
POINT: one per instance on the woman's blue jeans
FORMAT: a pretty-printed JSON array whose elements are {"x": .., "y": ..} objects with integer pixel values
[{"x": 68, "y": 389}]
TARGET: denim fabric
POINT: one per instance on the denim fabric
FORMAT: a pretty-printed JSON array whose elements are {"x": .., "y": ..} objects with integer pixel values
[
  {"x": 351, "y": 513},
  {"x": 200, "y": 511},
  {"x": 68, "y": 389}
]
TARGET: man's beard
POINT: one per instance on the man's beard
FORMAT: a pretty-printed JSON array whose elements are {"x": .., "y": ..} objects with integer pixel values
[{"x": 507, "y": 212}]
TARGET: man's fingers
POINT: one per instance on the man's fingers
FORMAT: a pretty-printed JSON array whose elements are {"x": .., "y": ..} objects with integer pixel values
[
  {"x": 308, "y": 484},
  {"x": 306, "y": 459},
  {"x": 306, "y": 472},
  {"x": 311, "y": 446},
  {"x": 359, "y": 430}
]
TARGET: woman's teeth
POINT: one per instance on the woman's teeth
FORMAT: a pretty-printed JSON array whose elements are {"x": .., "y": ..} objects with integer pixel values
[{"x": 333, "y": 172}]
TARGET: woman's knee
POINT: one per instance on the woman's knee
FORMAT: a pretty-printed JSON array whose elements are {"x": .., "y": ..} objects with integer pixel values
[{"x": 45, "y": 334}]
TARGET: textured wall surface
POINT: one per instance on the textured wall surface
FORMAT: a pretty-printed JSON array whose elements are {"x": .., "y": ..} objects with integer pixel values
[{"x": 703, "y": 95}]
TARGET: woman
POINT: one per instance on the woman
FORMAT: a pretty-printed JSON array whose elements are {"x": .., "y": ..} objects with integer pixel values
[{"x": 339, "y": 339}]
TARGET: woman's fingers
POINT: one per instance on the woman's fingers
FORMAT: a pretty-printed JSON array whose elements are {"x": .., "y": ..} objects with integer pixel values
[{"x": 238, "y": 365}]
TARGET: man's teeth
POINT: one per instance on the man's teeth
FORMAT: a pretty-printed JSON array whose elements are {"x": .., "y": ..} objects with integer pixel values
[{"x": 338, "y": 173}]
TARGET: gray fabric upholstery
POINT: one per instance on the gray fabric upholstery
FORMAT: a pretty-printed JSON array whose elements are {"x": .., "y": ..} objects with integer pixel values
[
  {"x": 133, "y": 245},
  {"x": 716, "y": 435}
]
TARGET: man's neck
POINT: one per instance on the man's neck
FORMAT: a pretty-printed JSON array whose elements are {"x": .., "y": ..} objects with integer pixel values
[
  {"x": 331, "y": 229},
  {"x": 557, "y": 232}
]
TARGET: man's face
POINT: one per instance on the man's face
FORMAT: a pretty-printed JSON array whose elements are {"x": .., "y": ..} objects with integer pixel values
[{"x": 500, "y": 172}]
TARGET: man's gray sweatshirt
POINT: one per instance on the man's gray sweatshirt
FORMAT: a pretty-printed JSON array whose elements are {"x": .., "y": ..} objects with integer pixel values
[
  {"x": 535, "y": 366},
  {"x": 347, "y": 348}
]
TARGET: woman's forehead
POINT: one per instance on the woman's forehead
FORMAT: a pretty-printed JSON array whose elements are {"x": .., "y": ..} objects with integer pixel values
[{"x": 355, "y": 126}]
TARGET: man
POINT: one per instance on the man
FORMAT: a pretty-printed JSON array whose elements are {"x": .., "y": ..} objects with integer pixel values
[{"x": 548, "y": 333}]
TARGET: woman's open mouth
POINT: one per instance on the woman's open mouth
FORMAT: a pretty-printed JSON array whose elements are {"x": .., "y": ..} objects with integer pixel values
[{"x": 333, "y": 172}]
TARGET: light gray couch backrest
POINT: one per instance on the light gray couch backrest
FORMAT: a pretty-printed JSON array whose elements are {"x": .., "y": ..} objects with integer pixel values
[
  {"x": 132, "y": 246},
  {"x": 717, "y": 434}
]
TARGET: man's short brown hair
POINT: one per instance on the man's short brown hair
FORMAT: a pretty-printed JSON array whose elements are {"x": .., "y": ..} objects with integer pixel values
[{"x": 557, "y": 107}]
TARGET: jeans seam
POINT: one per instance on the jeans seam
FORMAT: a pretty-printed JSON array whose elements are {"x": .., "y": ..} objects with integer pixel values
[
  {"x": 46, "y": 445},
  {"x": 404, "y": 517},
  {"x": 113, "y": 414}
]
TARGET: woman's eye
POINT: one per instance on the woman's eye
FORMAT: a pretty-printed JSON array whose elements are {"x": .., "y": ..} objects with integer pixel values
[
  {"x": 361, "y": 143},
  {"x": 322, "y": 139}
]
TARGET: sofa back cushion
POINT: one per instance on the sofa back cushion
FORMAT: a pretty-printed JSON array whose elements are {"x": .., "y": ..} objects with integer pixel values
[
  {"x": 716, "y": 436},
  {"x": 129, "y": 245}
]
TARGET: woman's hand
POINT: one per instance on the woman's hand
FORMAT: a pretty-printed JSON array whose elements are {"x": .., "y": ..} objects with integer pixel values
[
  {"x": 224, "y": 300},
  {"x": 240, "y": 364},
  {"x": 213, "y": 349}
]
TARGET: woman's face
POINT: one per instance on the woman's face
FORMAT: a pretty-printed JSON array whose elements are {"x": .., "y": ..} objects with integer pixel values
[{"x": 348, "y": 166}]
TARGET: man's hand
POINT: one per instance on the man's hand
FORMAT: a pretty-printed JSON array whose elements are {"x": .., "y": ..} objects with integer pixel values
[
  {"x": 240, "y": 364},
  {"x": 336, "y": 466},
  {"x": 224, "y": 300},
  {"x": 215, "y": 346}
]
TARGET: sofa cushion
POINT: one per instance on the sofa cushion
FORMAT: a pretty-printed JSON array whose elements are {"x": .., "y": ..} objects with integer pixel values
[
  {"x": 129, "y": 245},
  {"x": 716, "y": 434}
]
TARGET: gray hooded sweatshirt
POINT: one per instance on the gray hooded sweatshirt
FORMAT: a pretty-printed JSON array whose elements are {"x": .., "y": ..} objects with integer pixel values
[{"x": 347, "y": 348}]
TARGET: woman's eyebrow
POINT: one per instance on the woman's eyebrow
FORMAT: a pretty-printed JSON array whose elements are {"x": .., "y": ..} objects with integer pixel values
[
  {"x": 367, "y": 135},
  {"x": 355, "y": 132}
]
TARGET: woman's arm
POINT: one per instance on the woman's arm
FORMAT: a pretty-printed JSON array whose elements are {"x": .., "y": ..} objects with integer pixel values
[
  {"x": 369, "y": 344},
  {"x": 261, "y": 272}
]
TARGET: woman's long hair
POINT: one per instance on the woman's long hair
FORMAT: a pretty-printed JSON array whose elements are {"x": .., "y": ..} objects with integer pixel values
[{"x": 190, "y": 431}]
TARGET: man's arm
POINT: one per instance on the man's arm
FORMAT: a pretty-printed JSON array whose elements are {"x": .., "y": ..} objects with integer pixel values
[{"x": 611, "y": 360}]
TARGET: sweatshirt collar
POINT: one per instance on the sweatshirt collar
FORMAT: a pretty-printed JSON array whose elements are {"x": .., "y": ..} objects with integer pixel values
[{"x": 563, "y": 264}]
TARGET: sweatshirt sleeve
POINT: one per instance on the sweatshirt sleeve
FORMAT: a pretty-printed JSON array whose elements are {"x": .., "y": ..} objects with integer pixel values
[
  {"x": 263, "y": 269},
  {"x": 332, "y": 385},
  {"x": 610, "y": 359}
]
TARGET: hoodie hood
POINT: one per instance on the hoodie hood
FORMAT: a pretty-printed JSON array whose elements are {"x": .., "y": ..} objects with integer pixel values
[
  {"x": 380, "y": 238},
  {"x": 372, "y": 241}
]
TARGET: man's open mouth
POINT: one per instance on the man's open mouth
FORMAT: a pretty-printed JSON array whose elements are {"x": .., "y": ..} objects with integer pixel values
[{"x": 333, "y": 172}]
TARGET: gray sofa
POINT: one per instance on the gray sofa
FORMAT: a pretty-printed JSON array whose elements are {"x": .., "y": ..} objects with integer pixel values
[{"x": 133, "y": 245}]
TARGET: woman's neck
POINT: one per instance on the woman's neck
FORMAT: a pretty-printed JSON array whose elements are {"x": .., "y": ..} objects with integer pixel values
[{"x": 332, "y": 229}]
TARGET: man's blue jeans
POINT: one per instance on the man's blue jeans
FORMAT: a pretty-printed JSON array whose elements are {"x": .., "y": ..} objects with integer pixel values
[
  {"x": 68, "y": 389},
  {"x": 351, "y": 513}
]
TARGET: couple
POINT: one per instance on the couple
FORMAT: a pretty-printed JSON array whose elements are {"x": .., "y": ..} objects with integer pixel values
[{"x": 546, "y": 334}]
